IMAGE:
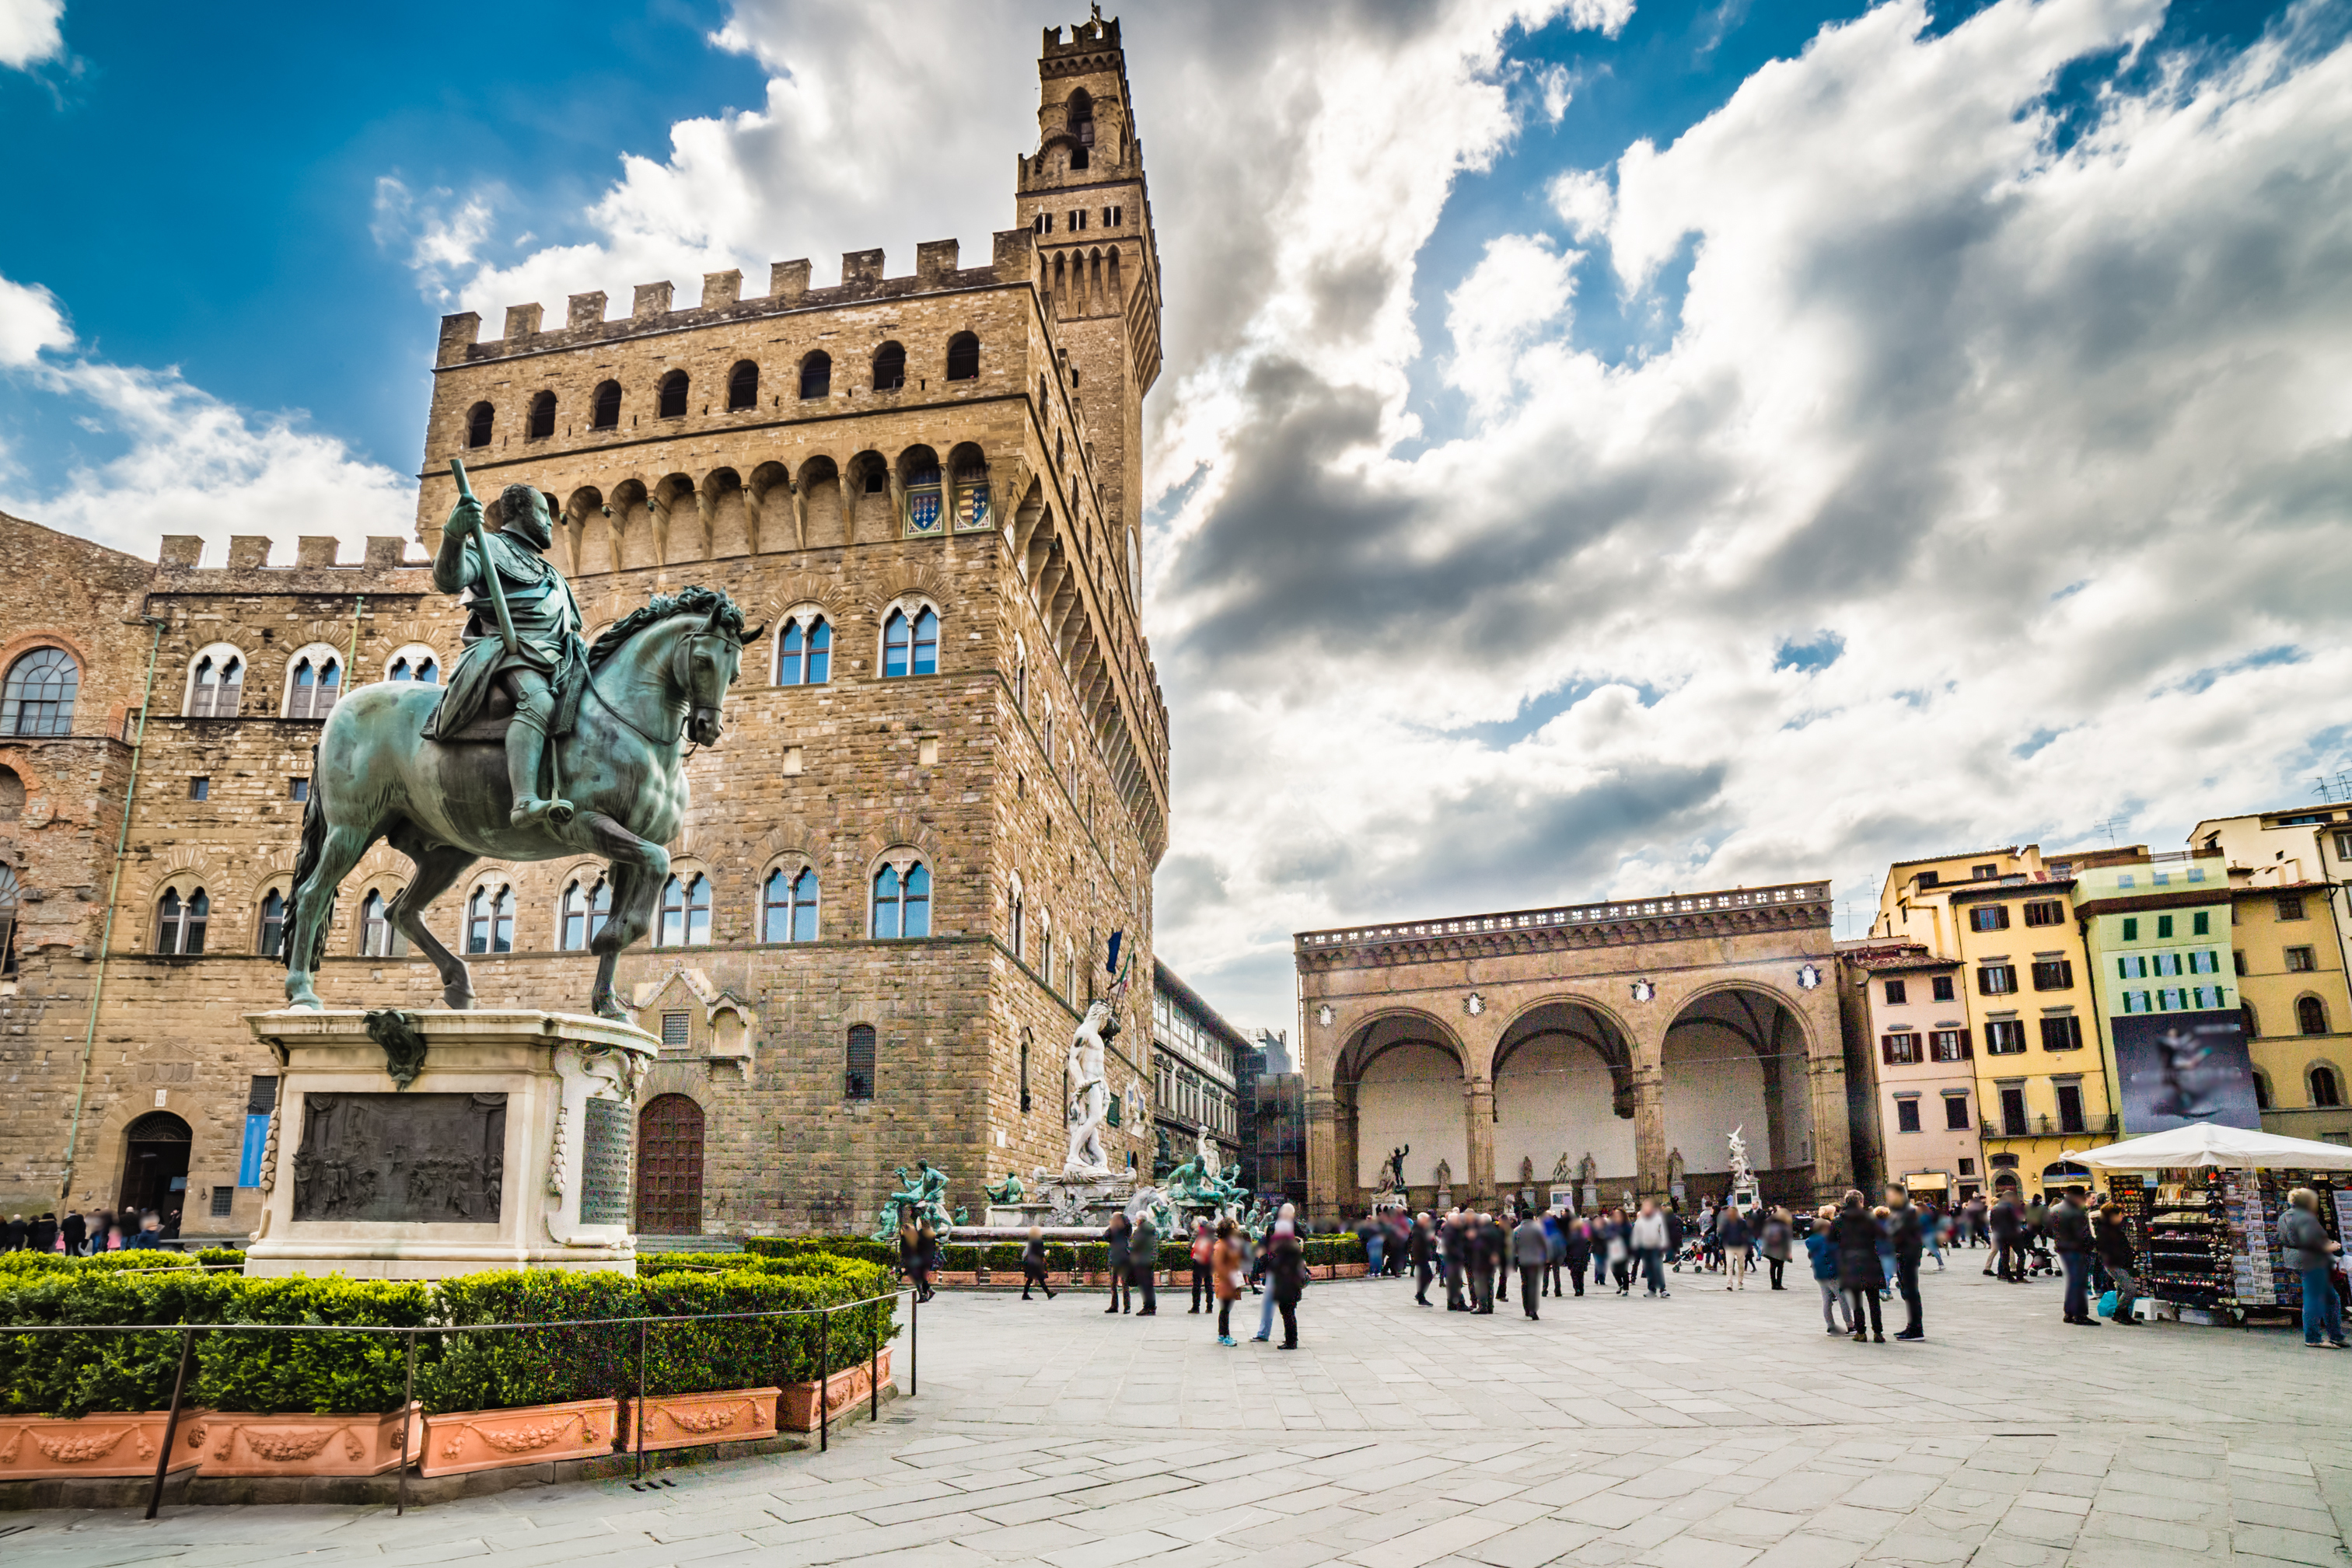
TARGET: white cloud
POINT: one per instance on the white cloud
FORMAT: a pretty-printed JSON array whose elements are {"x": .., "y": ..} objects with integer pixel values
[
  {"x": 30, "y": 321},
  {"x": 184, "y": 462},
  {"x": 1557, "y": 91},
  {"x": 29, "y": 32},
  {"x": 1521, "y": 283},
  {"x": 1583, "y": 200},
  {"x": 442, "y": 234}
]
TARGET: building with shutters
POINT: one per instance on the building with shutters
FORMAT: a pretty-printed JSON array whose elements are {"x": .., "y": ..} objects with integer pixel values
[
  {"x": 943, "y": 788},
  {"x": 1911, "y": 1058},
  {"x": 1194, "y": 1054}
]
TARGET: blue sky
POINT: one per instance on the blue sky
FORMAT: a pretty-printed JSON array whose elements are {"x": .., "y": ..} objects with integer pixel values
[{"x": 1680, "y": 443}]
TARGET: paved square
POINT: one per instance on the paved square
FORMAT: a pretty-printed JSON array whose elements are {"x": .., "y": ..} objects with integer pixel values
[{"x": 1717, "y": 1430}]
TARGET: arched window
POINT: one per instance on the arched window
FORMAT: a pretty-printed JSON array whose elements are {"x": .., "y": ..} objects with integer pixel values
[
  {"x": 743, "y": 386},
  {"x": 586, "y": 907},
  {"x": 273, "y": 924},
  {"x": 179, "y": 923},
  {"x": 1019, "y": 912},
  {"x": 788, "y": 912},
  {"x": 1045, "y": 947},
  {"x": 963, "y": 358},
  {"x": 805, "y": 658},
  {"x": 217, "y": 687},
  {"x": 2310, "y": 1015},
  {"x": 419, "y": 667},
  {"x": 379, "y": 937},
  {"x": 2326, "y": 1089},
  {"x": 911, "y": 646},
  {"x": 673, "y": 396},
  {"x": 857, "y": 1076},
  {"x": 12, "y": 796},
  {"x": 922, "y": 491},
  {"x": 38, "y": 699},
  {"x": 890, "y": 367},
  {"x": 817, "y": 375},
  {"x": 478, "y": 420},
  {"x": 1082, "y": 129},
  {"x": 1024, "y": 1066},
  {"x": 973, "y": 509},
  {"x": 2246, "y": 1020},
  {"x": 490, "y": 920},
  {"x": 2261, "y": 1090},
  {"x": 317, "y": 680},
  {"x": 542, "y": 416},
  {"x": 685, "y": 913},
  {"x": 605, "y": 406},
  {"x": 902, "y": 904}
]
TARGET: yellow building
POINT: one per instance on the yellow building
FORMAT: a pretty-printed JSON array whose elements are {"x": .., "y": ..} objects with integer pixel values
[
  {"x": 2291, "y": 899},
  {"x": 2007, "y": 918}
]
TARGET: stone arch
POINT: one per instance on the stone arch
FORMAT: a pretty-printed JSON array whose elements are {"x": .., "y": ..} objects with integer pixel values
[
  {"x": 1735, "y": 1056},
  {"x": 631, "y": 525},
  {"x": 677, "y": 521},
  {"x": 582, "y": 519},
  {"x": 726, "y": 513},
  {"x": 217, "y": 662},
  {"x": 1401, "y": 1078},
  {"x": 868, "y": 502},
  {"x": 1565, "y": 1083}
]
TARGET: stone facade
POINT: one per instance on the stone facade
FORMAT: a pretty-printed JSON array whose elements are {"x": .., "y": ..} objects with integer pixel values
[
  {"x": 1641, "y": 1033},
  {"x": 996, "y": 488}
]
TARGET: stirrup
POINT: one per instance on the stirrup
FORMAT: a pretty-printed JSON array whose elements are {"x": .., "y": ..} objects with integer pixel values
[{"x": 531, "y": 812}]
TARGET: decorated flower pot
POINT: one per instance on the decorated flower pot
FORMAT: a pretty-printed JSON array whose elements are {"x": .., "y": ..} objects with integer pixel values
[
  {"x": 42, "y": 1448},
  {"x": 682, "y": 1420},
  {"x": 491, "y": 1440},
  {"x": 797, "y": 1409},
  {"x": 232, "y": 1444}
]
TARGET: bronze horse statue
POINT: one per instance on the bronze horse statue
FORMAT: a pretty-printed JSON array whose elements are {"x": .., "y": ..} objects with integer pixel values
[{"x": 654, "y": 681}]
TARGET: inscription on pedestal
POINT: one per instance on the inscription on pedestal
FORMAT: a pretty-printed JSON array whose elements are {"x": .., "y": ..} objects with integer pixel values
[
  {"x": 435, "y": 1159},
  {"x": 604, "y": 1164}
]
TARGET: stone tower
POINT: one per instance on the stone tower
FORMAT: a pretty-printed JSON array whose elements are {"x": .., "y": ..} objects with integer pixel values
[{"x": 1082, "y": 194}]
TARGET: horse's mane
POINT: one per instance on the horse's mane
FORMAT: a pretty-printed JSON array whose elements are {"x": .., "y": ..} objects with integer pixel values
[{"x": 691, "y": 601}]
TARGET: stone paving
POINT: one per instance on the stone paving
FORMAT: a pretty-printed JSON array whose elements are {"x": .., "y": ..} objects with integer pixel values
[{"x": 1713, "y": 1430}]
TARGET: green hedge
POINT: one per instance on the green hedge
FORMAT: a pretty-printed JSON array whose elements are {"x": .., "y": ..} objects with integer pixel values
[
  {"x": 72, "y": 1375},
  {"x": 858, "y": 1247},
  {"x": 22, "y": 1262}
]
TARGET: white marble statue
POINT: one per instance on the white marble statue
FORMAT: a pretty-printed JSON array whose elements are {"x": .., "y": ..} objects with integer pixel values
[
  {"x": 1205, "y": 1152},
  {"x": 1089, "y": 1107},
  {"x": 1743, "y": 1174}
]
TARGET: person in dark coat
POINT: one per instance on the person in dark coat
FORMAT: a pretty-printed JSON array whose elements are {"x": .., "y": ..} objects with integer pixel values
[
  {"x": 1903, "y": 1233},
  {"x": 75, "y": 1232},
  {"x": 1032, "y": 1265},
  {"x": 12, "y": 1234},
  {"x": 2112, "y": 1244},
  {"x": 1576, "y": 1245},
  {"x": 1456, "y": 1242},
  {"x": 43, "y": 1237},
  {"x": 1286, "y": 1269},
  {"x": 1120, "y": 1252},
  {"x": 2008, "y": 1227},
  {"x": 2069, "y": 1232},
  {"x": 1530, "y": 1250},
  {"x": 1143, "y": 1265},
  {"x": 1423, "y": 1245},
  {"x": 1855, "y": 1234}
]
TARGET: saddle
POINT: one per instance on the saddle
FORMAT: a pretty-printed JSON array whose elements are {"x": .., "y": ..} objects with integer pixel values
[{"x": 489, "y": 725}]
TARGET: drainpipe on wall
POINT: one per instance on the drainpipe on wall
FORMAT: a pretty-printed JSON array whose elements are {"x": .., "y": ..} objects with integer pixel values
[{"x": 106, "y": 931}]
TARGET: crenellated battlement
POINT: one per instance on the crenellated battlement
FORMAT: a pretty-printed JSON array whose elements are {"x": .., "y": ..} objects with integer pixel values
[
  {"x": 180, "y": 562},
  {"x": 1012, "y": 260}
]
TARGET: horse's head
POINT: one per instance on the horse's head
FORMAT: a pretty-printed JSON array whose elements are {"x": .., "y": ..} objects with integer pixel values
[{"x": 709, "y": 659}]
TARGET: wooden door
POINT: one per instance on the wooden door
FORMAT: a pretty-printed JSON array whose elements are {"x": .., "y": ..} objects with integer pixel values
[{"x": 669, "y": 1168}]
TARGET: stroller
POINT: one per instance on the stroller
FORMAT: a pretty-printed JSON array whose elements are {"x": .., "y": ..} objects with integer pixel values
[{"x": 2038, "y": 1257}]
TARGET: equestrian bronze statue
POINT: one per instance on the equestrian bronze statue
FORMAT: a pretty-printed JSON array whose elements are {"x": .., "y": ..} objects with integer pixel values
[{"x": 539, "y": 748}]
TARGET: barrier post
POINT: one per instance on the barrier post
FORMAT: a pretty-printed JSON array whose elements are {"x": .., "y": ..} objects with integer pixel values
[
  {"x": 407, "y": 1418},
  {"x": 171, "y": 1422},
  {"x": 637, "y": 1428},
  {"x": 823, "y": 1381},
  {"x": 874, "y": 1377}
]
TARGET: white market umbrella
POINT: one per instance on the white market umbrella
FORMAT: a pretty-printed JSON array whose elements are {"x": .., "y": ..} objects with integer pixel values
[{"x": 2211, "y": 1143}]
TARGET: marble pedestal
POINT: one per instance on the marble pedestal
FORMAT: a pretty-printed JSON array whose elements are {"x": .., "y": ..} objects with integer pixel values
[{"x": 510, "y": 1148}]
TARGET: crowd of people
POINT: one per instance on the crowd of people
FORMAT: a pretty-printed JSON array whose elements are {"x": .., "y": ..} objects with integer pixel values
[{"x": 82, "y": 1235}]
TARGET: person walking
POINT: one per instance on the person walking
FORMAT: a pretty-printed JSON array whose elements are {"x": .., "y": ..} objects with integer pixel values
[
  {"x": 1368, "y": 1232},
  {"x": 927, "y": 1259},
  {"x": 1903, "y": 1232},
  {"x": 1453, "y": 1242},
  {"x": 1531, "y": 1250},
  {"x": 1204, "y": 1253},
  {"x": 1286, "y": 1273},
  {"x": 1648, "y": 1239},
  {"x": 1285, "y": 1223},
  {"x": 1485, "y": 1259},
  {"x": 1621, "y": 1249},
  {"x": 2112, "y": 1244},
  {"x": 1555, "y": 1226},
  {"x": 150, "y": 1234},
  {"x": 1822, "y": 1252},
  {"x": 1144, "y": 1264},
  {"x": 1856, "y": 1235},
  {"x": 2310, "y": 1253},
  {"x": 74, "y": 1231},
  {"x": 1732, "y": 1237},
  {"x": 1227, "y": 1270},
  {"x": 1032, "y": 1265},
  {"x": 2069, "y": 1232},
  {"x": 1776, "y": 1244},
  {"x": 1423, "y": 1245},
  {"x": 1931, "y": 1232},
  {"x": 1885, "y": 1253},
  {"x": 1116, "y": 1240},
  {"x": 43, "y": 1237},
  {"x": 1576, "y": 1249}
]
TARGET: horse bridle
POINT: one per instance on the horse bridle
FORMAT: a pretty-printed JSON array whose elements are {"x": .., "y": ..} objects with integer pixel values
[{"x": 710, "y": 629}]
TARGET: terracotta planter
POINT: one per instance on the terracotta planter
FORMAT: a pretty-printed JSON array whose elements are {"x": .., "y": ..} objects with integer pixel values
[
  {"x": 1352, "y": 1270},
  {"x": 796, "y": 1410},
  {"x": 490, "y": 1439},
  {"x": 233, "y": 1444},
  {"x": 683, "y": 1420},
  {"x": 42, "y": 1448}
]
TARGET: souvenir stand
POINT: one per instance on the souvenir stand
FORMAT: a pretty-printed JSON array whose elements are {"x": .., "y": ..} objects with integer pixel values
[{"x": 2204, "y": 1214}]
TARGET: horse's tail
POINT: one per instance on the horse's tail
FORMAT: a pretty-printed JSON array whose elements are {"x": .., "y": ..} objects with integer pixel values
[{"x": 306, "y": 863}]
